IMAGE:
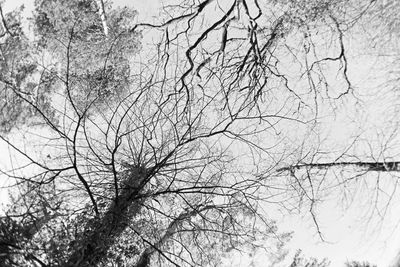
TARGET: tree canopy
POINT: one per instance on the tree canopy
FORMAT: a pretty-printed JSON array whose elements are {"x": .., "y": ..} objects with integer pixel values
[{"x": 167, "y": 142}]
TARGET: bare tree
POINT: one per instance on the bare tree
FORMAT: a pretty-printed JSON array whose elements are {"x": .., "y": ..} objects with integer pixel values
[{"x": 173, "y": 155}]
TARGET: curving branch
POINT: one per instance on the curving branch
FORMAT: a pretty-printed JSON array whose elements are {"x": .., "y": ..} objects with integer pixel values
[{"x": 173, "y": 227}]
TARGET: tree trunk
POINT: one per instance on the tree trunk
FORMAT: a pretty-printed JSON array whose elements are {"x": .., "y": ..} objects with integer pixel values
[
  {"x": 388, "y": 166},
  {"x": 102, "y": 13},
  {"x": 91, "y": 248}
]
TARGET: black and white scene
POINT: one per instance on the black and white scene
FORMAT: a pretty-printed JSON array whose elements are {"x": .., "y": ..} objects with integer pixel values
[{"x": 199, "y": 133}]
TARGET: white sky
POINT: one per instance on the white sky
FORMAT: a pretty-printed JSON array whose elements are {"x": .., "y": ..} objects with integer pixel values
[{"x": 349, "y": 238}]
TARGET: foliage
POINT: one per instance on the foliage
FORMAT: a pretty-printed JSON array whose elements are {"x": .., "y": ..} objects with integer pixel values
[
  {"x": 359, "y": 264},
  {"x": 300, "y": 261},
  {"x": 173, "y": 155}
]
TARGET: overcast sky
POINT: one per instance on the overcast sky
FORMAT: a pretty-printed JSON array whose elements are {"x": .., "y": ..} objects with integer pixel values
[{"x": 348, "y": 236}]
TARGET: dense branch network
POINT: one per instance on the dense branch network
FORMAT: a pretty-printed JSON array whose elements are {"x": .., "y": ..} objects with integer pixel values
[{"x": 164, "y": 156}]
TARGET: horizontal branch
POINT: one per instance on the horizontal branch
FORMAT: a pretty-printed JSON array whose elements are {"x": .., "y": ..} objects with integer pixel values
[{"x": 387, "y": 166}]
